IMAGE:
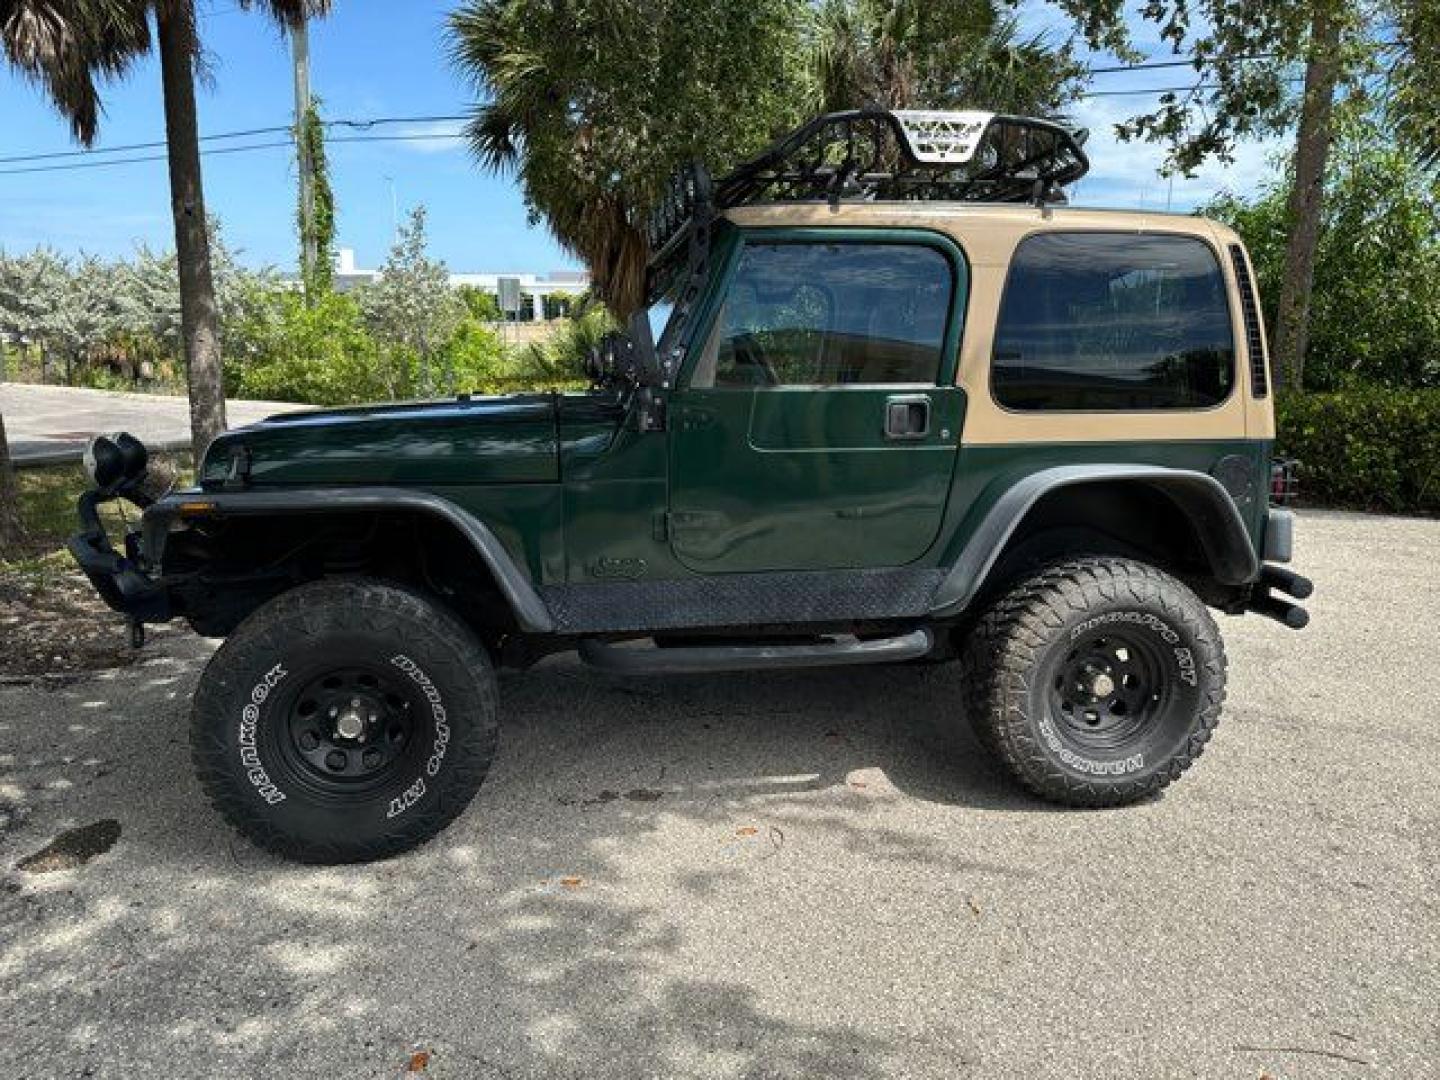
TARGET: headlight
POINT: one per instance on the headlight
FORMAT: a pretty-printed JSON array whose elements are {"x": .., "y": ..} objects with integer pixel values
[{"x": 111, "y": 460}]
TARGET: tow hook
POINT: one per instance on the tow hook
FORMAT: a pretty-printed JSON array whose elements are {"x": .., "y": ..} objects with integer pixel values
[{"x": 137, "y": 634}]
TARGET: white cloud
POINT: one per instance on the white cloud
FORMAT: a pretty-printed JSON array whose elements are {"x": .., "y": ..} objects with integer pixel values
[{"x": 1128, "y": 173}]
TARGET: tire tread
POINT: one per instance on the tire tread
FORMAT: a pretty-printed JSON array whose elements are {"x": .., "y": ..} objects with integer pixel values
[
  {"x": 309, "y": 609},
  {"x": 1005, "y": 646}
]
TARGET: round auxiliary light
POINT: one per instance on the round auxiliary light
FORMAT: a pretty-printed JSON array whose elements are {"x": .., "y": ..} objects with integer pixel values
[{"x": 114, "y": 459}]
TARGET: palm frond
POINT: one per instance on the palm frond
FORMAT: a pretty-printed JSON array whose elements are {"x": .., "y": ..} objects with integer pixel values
[
  {"x": 289, "y": 13},
  {"x": 67, "y": 47}
]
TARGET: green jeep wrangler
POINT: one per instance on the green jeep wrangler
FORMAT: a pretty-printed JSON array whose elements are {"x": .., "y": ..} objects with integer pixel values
[{"x": 892, "y": 401}]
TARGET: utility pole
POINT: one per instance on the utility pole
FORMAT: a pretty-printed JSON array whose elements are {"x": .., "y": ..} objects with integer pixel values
[{"x": 300, "y": 53}]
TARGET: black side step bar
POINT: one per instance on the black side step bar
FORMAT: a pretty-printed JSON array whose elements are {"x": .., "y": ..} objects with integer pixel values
[{"x": 705, "y": 658}]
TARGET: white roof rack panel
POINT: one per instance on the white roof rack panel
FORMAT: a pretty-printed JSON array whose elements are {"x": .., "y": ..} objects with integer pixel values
[{"x": 943, "y": 138}]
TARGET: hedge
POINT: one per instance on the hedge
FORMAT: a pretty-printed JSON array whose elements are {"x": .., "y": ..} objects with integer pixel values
[{"x": 1367, "y": 448}]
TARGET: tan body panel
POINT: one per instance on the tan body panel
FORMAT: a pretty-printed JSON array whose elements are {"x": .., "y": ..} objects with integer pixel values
[{"x": 989, "y": 234}]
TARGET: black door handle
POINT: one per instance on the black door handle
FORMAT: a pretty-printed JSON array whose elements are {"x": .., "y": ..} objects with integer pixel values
[{"x": 907, "y": 416}]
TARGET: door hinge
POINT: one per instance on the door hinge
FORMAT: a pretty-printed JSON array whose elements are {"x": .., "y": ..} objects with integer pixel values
[{"x": 649, "y": 413}]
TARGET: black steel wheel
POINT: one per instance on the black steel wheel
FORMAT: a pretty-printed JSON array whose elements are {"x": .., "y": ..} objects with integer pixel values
[
  {"x": 348, "y": 729},
  {"x": 345, "y": 720},
  {"x": 1109, "y": 688},
  {"x": 1097, "y": 681}
]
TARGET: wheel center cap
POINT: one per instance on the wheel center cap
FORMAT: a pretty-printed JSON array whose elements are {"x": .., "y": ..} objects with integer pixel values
[
  {"x": 1102, "y": 685},
  {"x": 350, "y": 724}
]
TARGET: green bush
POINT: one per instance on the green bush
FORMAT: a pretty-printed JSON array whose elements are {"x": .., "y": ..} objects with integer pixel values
[
  {"x": 475, "y": 359},
  {"x": 558, "y": 363},
  {"x": 481, "y": 304},
  {"x": 1369, "y": 448},
  {"x": 325, "y": 353},
  {"x": 321, "y": 354}
]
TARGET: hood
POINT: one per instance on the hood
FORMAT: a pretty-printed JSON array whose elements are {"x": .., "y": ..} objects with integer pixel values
[{"x": 480, "y": 440}]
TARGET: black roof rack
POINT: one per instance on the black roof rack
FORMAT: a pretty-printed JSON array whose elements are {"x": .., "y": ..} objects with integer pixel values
[{"x": 871, "y": 154}]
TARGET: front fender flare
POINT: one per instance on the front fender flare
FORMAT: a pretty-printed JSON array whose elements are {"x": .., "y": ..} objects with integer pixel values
[
  {"x": 530, "y": 611},
  {"x": 1209, "y": 507}
]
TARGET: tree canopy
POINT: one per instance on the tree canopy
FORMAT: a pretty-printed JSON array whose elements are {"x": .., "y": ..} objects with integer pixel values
[
  {"x": 907, "y": 53},
  {"x": 594, "y": 103},
  {"x": 1375, "y": 315},
  {"x": 1246, "y": 57},
  {"x": 69, "y": 48},
  {"x": 411, "y": 306}
]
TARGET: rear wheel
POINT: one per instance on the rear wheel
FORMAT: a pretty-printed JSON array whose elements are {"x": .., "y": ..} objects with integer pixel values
[
  {"x": 1097, "y": 681},
  {"x": 345, "y": 720}
]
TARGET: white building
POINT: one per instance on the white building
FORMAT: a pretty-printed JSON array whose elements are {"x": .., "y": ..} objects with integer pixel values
[{"x": 535, "y": 287}]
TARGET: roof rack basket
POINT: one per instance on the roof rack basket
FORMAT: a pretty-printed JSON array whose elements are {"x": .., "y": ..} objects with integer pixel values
[{"x": 877, "y": 154}]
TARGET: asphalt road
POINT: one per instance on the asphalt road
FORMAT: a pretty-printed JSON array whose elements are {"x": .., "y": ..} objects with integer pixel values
[
  {"x": 47, "y": 424},
  {"x": 770, "y": 876}
]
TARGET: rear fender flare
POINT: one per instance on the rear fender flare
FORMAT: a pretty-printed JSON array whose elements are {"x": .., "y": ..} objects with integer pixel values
[
  {"x": 530, "y": 611},
  {"x": 1201, "y": 498}
]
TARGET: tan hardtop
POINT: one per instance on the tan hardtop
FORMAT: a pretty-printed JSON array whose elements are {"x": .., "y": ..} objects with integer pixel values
[
  {"x": 979, "y": 224},
  {"x": 988, "y": 233}
]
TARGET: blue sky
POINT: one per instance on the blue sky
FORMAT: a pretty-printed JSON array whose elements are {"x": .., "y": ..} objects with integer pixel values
[{"x": 369, "y": 62}]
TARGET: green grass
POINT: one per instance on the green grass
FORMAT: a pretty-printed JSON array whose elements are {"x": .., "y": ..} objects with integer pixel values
[
  {"x": 47, "y": 506},
  {"x": 47, "y": 501}
]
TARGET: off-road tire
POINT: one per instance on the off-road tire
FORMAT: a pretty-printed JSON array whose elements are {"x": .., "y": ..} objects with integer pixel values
[
  {"x": 433, "y": 684},
  {"x": 1015, "y": 663}
]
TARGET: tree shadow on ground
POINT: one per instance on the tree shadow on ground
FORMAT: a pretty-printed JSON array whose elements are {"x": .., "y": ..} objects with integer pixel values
[{"x": 561, "y": 927}]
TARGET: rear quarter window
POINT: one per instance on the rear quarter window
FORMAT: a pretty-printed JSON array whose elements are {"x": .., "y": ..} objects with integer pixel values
[{"x": 1113, "y": 321}]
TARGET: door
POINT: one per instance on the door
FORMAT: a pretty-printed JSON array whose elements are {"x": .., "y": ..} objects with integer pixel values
[{"x": 817, "y": 423}]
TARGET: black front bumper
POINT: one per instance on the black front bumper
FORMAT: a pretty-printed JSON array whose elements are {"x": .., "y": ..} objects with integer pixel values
[{"x": 121, "y": 580}]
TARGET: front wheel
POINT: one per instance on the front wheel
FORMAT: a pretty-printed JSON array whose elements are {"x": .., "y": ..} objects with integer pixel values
[
  {"x": 1097, "y": 681},
  {"x": 345, "y": 720}
]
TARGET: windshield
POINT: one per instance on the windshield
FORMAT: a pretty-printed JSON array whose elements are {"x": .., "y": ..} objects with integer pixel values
[{"x": 658, "y": 315}]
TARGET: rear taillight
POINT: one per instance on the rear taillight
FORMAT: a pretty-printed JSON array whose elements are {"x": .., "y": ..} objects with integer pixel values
[{"x": 1284, "y": 482}]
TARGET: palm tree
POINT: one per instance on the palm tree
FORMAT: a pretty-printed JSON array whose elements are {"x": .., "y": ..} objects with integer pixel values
[
  {"x": 912, "y": 53},
  {"x": 67, "y": 47},
  {"x": 593, "y": 105}
]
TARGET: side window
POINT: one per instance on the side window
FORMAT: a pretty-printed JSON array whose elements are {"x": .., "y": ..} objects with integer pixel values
[
  {"x": 1111, "y": 321},
  {"x": 830, "y": 314}
]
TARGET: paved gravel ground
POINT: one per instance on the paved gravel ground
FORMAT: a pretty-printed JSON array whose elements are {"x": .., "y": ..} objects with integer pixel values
[
  {"x": 54, "y": 423},
  {"x": 780, "y": 875}
]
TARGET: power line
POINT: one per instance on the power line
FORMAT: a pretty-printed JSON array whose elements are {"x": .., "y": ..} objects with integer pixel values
[
  {"x": 1151, "y": 65},
  {"x": 1163, "y": 90},
  {"x": 366, "y": 124},
  {"x": 74, "y": 165},
  {"x": 56, "y": 154},
  {"x": 215, "y": 151},
  {"x": 357, "y": 125}
]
